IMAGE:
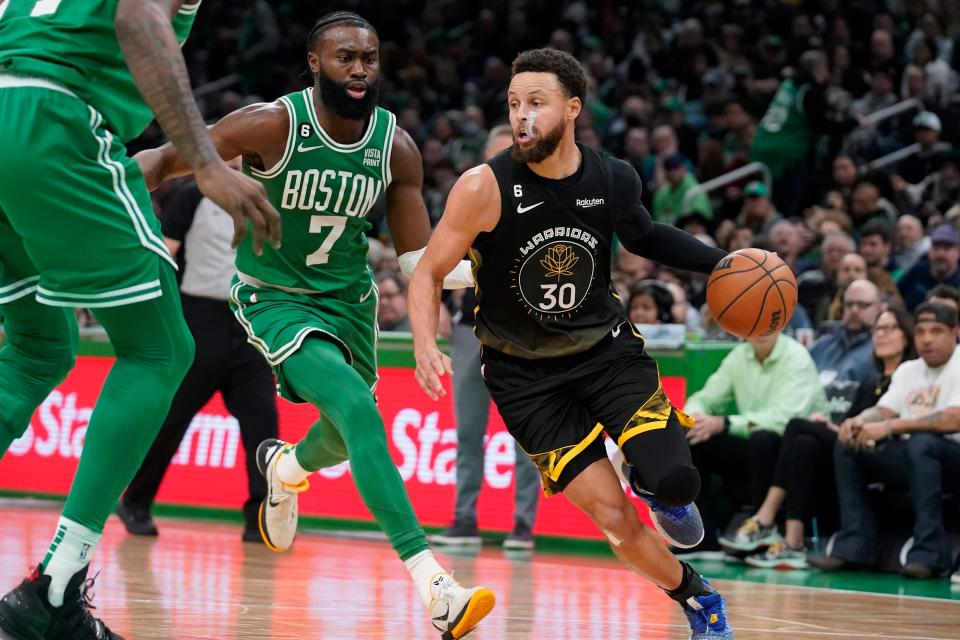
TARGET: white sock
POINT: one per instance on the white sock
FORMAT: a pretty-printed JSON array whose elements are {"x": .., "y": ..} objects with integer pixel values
[
  {"x": 423, "y": 568},
  {"x": 69, "y": 552},
  {"x": 289, "y": 470}
]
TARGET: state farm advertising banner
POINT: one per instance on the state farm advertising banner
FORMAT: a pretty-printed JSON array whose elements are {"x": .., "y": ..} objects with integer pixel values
[{"x": 208, "y": 469}]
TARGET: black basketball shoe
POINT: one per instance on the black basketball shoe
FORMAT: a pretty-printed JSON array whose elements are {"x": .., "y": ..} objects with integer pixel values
[{"x": 26, "y": 613}]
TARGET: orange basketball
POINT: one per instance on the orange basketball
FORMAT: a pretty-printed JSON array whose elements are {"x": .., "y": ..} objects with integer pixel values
[{"x": 752, "y": 293}]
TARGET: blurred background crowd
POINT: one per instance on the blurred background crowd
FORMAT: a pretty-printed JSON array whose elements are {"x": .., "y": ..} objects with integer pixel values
[{"x": 685, "y": 92}]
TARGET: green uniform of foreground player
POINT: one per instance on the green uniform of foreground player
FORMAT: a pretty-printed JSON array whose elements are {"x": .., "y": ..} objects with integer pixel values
[
  {"x": 324, "y": 155},
  {"x": 77, "y": 79}
]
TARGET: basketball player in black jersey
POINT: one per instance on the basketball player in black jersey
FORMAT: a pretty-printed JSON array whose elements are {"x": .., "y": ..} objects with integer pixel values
[{"x": 561, "y": 360}]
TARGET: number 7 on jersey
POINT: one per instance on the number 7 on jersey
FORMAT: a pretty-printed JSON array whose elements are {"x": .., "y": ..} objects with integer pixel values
[{"x": 317, "y": 225}]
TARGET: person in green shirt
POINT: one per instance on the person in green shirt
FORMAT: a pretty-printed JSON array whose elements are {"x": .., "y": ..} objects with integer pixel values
[
  {"x": 668, "y": 202},
  {"x": 742, "y": 411}
]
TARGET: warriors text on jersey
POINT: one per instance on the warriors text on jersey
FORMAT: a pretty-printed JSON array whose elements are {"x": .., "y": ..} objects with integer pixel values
[
  {"x": 543, "y": 273},
  {"x": 73, "y": 43},
  {"x": 323, "y": 191}
]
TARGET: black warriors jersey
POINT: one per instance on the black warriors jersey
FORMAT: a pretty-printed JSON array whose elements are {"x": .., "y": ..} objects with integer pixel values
[{"x": 543, "y": 273}]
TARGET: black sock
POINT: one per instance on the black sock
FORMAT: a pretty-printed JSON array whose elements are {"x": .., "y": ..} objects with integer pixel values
[{"x": 691, "y": 585}]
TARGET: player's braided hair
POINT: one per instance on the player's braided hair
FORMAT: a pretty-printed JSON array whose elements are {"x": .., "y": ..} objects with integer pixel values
[{"x": 336, "y": 19}]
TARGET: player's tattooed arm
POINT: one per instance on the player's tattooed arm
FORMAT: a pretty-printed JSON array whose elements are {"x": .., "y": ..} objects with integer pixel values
[
  {"x": 406, "y": 213},
  {"x": 153, "y": 56}
]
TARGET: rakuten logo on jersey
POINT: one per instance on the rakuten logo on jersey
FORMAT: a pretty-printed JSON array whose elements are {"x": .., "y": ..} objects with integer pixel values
[{"x": 60, "y": 428}]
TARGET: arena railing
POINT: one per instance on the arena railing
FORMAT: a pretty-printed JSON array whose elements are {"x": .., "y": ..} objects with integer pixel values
[
  {"x": 886, "y": 113},
  {"x": 728, "y": 178}
]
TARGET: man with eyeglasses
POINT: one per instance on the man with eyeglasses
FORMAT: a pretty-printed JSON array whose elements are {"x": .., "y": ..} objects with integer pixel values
[
  {"x": 844, "y": 358},
  {"x": 910, "y": 438}
]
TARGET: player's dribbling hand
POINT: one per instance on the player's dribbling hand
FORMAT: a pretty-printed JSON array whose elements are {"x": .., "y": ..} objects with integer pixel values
[
  {"x": 243, "y": 198},
  {"x": 432, "y": 365}
]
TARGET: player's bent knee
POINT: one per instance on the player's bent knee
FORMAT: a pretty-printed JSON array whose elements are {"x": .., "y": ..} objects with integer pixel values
[
  {"x": 618, "y": 521},
  {"x": 679, "y": 487}
]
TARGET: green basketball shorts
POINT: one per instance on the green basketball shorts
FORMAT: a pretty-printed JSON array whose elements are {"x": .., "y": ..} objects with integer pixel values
[
  {"x": 76, "y": 224},
  {"x": 278, "y": 321}
]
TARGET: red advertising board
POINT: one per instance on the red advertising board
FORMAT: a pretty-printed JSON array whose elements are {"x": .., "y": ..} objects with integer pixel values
[{"x": 208, "y": 469}]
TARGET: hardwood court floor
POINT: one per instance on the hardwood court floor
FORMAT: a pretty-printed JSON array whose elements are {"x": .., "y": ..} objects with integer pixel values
[{"x": 198, "y": 580}]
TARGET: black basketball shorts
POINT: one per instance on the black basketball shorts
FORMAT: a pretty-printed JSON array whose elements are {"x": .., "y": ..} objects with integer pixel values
[{"x": 558, "y": 409}]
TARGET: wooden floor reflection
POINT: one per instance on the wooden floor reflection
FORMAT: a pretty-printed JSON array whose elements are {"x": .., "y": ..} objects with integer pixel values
[{"x": 198, "y": 580}]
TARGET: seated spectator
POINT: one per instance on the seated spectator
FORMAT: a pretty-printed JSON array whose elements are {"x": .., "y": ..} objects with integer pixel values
[
  {"x": 650, "y": 303},
  {"x": 946, "y": 295},
  {"x": 926, "y": 133},
  {"x": 912, "y": 245},
  {"x": 682, "y": 312},
  {"x": 845, "y": 175},
  {"x": 803, "y": 479},
  {"x": 668, "y": 201},
  {"x": 922, "y": 402},
  {"x": 853, "y": 267},
  {"x": 940, "y": 190},
  {"x": 817, "y": 287},
  {"x": 768, "y": 380},
  {"x": 881, "y": 94},
  {"x": 845, "y": 354},
  {"x": 758, "y": 212},
  {"x": 787, "y": 239},
  {"x": 939, "y": 267},
  {"x": 867, "y": 204},
  {"x": 392, "y": 311},
  {"x": 876, "y": 247}
]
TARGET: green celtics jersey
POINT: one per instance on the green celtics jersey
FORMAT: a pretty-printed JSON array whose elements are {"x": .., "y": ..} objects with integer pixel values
[
  {"x": 74, "y": 44},
  {"x": 323, "y": 191},
  {"x": 783, "y": 136}
]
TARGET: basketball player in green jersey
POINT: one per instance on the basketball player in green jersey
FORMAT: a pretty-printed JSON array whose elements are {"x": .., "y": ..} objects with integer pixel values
[
  {"x": 77, "y": 79},
  {"x": 324, "y": 155}
]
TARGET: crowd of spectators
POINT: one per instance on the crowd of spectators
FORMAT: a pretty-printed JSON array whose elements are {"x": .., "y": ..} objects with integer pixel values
[
  {"x": 685, "y": 92},
  {"x": 863, "y": 206}
]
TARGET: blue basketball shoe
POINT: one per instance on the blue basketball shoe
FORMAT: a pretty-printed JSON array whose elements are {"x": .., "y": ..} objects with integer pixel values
[{"x": 706, "y": 610}]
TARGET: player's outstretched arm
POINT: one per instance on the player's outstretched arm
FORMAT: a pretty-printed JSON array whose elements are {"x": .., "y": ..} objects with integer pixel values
[
  {"x": 152, "y": 54},
  {"x": 642, "y": 236},
  {"x": 258, "y": 132},
  {"x": 407, "y": 214},
  {"x": 473, "y": 206}
]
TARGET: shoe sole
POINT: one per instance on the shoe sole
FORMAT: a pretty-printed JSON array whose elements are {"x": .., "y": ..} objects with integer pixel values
[
  {"x": 750, "y": 547},
  {"x": 457, "y": 541},
  {"x": 785, "y": 565},
  {"x": 518, "y": 544},
  {"x": 672, "y": 541},
  {"x": 7, "y": 633},
  {"x": 481, "y": 603}
]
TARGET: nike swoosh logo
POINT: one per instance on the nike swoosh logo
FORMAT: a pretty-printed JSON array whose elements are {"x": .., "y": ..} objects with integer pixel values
[
  {"x": 302, "y": 148},
  {"x": 364, "y": 297},
  {"x": 275, "y": 503},
  {"x": 523, "y": 209}
]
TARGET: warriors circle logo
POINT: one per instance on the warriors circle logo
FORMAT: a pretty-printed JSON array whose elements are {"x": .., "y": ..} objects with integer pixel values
[{"x": 555, "y": 278}]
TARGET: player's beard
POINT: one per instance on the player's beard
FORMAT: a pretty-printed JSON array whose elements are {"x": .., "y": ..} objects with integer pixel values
[
  {"x": 336, "y": 98},
  {"x": 540, "y": 150}
]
